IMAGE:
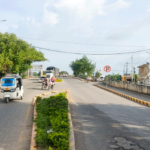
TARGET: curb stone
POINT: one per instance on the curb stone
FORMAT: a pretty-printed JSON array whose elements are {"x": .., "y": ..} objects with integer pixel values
[
  {"x": 142, "y": 102},
  {"x": 33, "y": 134}
]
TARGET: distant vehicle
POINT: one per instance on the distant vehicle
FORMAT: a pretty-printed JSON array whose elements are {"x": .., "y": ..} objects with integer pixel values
[
  {"x": 101, "y": 78},
  {"x": 41, "y": 79},
  {"x": 64, "y": 75},
  {"x": 52, "y": 71}
]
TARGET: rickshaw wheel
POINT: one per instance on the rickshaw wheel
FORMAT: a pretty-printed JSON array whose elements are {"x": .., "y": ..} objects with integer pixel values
[{"x": 7, "y": 100}]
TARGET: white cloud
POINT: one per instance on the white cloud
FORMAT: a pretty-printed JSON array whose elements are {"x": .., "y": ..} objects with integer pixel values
[
  {"x": 148, "y": 9},
  {"x": 86, "y": 9},
  {"x": 49, "y": 17},
  {"x": 15, "y": 26},
  {"x": 28, "y": 18},
  {"x": 119, "y": 4},
  {"x": 34, "y": 22}
]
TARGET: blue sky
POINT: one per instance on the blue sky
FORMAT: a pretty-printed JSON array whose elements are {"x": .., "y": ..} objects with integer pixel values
[{"x": 107, "y": 22}]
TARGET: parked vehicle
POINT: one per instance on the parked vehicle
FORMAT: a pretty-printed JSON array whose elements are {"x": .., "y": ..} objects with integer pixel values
[
  {"x": 64, "y": 75},
  {"x": 12, "y": 87},
  {"x": 41, "y": 79},
  {"x": 101, "y": 78}
]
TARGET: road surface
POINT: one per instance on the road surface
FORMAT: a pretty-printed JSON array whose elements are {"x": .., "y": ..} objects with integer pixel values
[{"x": 101, "y": 120}]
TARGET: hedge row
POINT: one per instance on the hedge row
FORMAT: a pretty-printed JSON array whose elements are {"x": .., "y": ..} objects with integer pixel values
[{"x": 52, "y": 122}]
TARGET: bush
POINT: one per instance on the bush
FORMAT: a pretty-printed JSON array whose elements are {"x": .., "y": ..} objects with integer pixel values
[
  {"x": 58, "y": 80},
  {"x": 52, "y": 114}
]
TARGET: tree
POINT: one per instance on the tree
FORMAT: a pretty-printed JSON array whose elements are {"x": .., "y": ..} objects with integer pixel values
[
  {"x": 98, "y": 74},
  {"x": 64, "y": 72},
  {"x": 35, "y": 74},
  {"x": 80, "y": 66},
  {"x": 39, "y": 73},
  {"x": 44, "y": 72},
  {"x": 136, "y": 78},
  {"x": 16, "y": 55}
]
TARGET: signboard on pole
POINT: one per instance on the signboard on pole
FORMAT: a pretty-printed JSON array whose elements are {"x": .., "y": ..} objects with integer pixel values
[
  {"x": 107, "y": 68},
  {"x": 86, "y": 73}
]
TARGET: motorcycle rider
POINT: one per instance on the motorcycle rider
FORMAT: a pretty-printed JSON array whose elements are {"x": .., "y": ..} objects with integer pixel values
[
  {"x": 53, "y": 79},
  {"x": 45, "y": 80}
]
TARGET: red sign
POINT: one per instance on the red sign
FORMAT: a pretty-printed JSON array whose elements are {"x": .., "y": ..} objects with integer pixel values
[{"x": 107, "y": 68}]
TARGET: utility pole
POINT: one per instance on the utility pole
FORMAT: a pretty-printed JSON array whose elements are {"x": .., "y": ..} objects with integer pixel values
[
  {"x": 126, "y": 70},
  {"x": 132, "y": 68}
]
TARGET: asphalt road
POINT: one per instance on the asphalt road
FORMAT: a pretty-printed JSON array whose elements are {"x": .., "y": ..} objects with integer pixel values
[
  {"x": 16, "y": 118},
  {"x": 101, "y": 120}
]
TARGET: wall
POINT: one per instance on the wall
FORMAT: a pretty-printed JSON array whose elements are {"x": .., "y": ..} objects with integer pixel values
[{"x": 130, "y": 86}]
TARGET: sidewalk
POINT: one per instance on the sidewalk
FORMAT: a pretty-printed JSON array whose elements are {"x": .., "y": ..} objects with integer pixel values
[{"x": 127, "y": 92}]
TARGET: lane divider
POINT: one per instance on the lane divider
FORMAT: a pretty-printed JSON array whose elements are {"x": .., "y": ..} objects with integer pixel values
[
  {"x": 142, "y": 102},
  {"x": 33, "y": 134}
]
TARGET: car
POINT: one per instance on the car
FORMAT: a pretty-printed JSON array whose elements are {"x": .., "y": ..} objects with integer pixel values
[{"x": 41, "y": 79}]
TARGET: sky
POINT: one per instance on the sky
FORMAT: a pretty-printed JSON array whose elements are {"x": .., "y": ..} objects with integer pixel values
[{"x": 82, "y": 26}]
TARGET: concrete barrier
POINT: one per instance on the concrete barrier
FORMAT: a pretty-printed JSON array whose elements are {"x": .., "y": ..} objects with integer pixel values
[
  {"x": 126, "y": 96},
  {"x": 130, "y": 86}
]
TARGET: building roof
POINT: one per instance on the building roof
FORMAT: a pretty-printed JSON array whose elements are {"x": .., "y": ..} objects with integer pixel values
[{"x": 145, "y": 65}]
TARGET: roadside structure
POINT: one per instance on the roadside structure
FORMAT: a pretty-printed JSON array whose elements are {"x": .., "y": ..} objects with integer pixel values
[{"x": 144, "y": 73}]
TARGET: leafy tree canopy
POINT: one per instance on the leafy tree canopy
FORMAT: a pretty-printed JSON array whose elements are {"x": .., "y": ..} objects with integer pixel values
[
  {"x": 64, "y": 72},
  {"x": 16, "y": 55},
  {"x": 98, "y": 74},
  {"x": 80, "y": 66}
]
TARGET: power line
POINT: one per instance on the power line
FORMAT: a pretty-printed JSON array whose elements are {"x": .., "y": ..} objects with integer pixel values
[
  {"x": 69, "y": 52},
  {"x": 79, "y": 43},
  {"x": 59, "y": 51}
]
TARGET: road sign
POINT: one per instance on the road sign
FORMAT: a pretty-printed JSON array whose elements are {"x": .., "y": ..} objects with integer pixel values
[
  {"x": 86, "y": 73},
  {"x": 107, "y": 68}
]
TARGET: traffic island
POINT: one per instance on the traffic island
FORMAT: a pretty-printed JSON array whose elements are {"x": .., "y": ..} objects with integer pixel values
[
  {"x": 59, "y": 80},
  {"x": 52, "y": 126},
  {"x": 142, "y": 102}
]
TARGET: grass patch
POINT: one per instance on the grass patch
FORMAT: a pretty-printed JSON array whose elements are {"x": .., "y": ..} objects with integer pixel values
[
  {"x": 52, "y": 116},
  {"x": 58, "y": 80}
]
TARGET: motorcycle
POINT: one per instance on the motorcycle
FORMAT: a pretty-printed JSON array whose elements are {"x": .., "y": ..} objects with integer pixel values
[
  {"x": 51, "y": 84},
  {"x": 45, "y": 86}
]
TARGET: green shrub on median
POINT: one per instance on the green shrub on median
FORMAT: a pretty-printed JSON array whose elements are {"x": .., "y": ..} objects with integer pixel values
[
  {"x": 58, "y": 80},
  {"x": 52, "y": 115}
]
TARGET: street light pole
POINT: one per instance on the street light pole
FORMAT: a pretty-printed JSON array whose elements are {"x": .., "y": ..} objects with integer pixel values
[{"x": 132, "y": 68}]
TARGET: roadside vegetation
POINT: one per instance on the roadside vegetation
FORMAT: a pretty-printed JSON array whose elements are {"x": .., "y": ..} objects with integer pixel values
[
  {"x": 52, "y": 122},
  {"x": 80, "y": 66},
  {"x": 113, "y": 77},
  {"x": 58, "y": 80},
  {"x": 16, "y": 55}
]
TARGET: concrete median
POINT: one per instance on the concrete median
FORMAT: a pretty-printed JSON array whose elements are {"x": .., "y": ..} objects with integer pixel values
[{"x": 33, "y": 134}]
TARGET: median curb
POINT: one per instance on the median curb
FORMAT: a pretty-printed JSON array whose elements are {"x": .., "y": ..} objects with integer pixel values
[
  {"x": 79, "y": 79},
  {"x": 142, "y": 102},
  {"x": 72, "y": 139},
  {"x": 33, "y": 134}
]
